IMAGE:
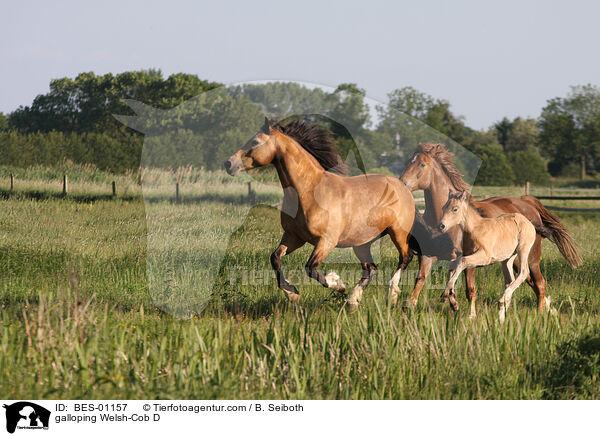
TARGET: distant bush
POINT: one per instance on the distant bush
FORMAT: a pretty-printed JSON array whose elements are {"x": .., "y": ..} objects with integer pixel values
[
  {"x": 495, "y": 168},
  {"x": 571, "y": 170},
  {"x": 528, "y": 165},
  {"x": 52, "y": 148}
]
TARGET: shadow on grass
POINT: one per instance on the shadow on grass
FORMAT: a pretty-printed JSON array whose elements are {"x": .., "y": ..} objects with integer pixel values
[
  {"x": 77, "y": 198},
  {"x": 256, "y": 199},
  {"x": 573, "y": 371}
]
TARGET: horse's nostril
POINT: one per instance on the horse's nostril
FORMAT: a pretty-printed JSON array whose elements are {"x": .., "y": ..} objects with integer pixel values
[
  {"x": 442, "y": 226},
  {"x": 227, "y": 164}
]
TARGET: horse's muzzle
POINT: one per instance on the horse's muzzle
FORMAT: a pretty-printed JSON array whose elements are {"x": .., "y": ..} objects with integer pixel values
[{"x": 232, "y": 166}]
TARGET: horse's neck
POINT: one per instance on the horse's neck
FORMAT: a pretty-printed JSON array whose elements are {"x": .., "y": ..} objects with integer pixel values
[
  {"x": 297, "y": 170},
  {"x": 472, "y": 220},
  {"x": 435, "y": 197}
]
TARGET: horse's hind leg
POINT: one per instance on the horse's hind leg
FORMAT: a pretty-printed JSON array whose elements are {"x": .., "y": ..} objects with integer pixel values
[
  {"x": 536, "y": 279},
  {"x": 363, "y": 252},
  {"x": 400, "y": 240},
  {"x": 507, "y": 270},
  {"x": 471, "y": 290},
  {"x": 510, "y": 288},
  {"x": 288, "y": 244}
]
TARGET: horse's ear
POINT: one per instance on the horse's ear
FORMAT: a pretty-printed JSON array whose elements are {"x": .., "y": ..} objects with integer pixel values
[{"x": 266, "y": 128}]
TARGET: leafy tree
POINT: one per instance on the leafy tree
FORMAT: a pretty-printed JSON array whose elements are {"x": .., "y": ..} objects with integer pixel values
[
  {"x": 408, "y": 101},
  {"x": 570, "y": 129},
  {"x": 86, "y": 103},
  {"x": 348, "y": 108},
  {"x": 516, "y": 135},
  {"x": 440, "y": 117},
  {"x": 495, "y": 169},
  {"x": 3, "y": 122},
  {"x": 284, "y": 99},
  {"x": 402, "y": 120}
]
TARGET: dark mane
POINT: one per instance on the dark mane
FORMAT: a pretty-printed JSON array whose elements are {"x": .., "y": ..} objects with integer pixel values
[
  {"x": 317, "y": 140},
  {"x": 444, "y": 158}
]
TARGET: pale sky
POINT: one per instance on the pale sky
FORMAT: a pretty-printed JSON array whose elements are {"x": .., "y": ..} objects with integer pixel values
[{"x": 489, "y": 60}]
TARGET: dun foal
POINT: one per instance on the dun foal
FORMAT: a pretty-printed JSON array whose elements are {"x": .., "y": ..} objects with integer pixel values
[{"x": 501, "y": 239}]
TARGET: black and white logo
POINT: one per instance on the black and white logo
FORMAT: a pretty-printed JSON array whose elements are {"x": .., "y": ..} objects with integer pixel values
[{"x": 26, "y": 415}]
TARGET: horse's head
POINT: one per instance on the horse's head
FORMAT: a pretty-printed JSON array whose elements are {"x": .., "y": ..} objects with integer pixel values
[
  {"x": 258, "y": 151},
  {"x": 454, "y": 210},
  {"x": 419, "y": 174}
]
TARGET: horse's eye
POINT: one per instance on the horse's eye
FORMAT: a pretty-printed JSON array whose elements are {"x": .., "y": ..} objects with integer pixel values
[
  {"x": 422, "y": 165},
  {"x": 455, "y": 210}
]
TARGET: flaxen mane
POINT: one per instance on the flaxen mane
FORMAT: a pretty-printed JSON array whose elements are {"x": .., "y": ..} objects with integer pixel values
[
  {"x": 444, "y": 158},
  {"x": 318, "y": 141}
]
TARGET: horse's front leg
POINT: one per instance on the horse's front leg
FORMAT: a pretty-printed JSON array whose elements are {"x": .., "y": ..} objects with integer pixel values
[
  {"x": 330, "y": 280},
  {"x": 425, "y": 264},
  {"x": 479, "y": 258},
  {"x": 449, "y": 294},
  {"x": 288, "y": 244}
]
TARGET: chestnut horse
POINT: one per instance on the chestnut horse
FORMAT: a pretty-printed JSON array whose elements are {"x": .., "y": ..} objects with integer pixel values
[
  {"x": 433, "y": 170},
  {"x": 505, "y": 238},
  {"x": 325, "y": 209}
]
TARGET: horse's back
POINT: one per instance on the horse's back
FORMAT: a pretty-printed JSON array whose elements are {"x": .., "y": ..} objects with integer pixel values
[
  {"x": 504, "y": 234},
  {"x": 495, "y": 206}
]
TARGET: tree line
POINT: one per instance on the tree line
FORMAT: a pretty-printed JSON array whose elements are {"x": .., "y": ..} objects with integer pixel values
[{"x": 186, "y": 120}]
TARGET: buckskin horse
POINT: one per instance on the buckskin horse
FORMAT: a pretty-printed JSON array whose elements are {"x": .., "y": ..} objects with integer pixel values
[
  {"x": 432, "y": 170},
  {"x": 325, "y": 209}
]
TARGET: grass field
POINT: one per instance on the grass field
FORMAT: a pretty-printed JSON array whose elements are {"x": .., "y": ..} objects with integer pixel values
[{"x": 79, "y": 319}]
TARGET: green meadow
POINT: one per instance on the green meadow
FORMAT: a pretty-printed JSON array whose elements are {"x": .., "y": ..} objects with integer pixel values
[{"x": 79, "y": 317}]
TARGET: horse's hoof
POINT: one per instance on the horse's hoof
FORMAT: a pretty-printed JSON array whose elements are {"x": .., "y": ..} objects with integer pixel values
[
  {"x": 409, "y": 304},
  {"x": 334, "y": 282},
  {"x": 547, "y": 302},
  {"x": 294, "y": 298},
  {"x": 392, "y": 301},
  {"x": 453, "y": 303},
  {"x": 351, "y": 306}
]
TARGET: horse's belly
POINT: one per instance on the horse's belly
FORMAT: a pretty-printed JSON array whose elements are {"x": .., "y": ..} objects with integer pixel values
[{"x": 358, "y": 238}]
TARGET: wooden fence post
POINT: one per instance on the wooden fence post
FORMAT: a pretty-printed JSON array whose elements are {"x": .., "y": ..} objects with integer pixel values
[
  {"x": 65, "y": 185},
  {"x": 177, "y": 196},
  {"x": 12, "y": 183},
  {"x": 114, "y": 188},
  {"x": 250, "y": 192},
  {"x": 527, "y": 188}
]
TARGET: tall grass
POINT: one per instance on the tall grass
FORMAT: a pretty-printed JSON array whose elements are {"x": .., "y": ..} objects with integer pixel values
[{"x": 79, "y": 320}]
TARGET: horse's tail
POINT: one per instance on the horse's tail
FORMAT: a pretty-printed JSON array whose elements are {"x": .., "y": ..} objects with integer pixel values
[
  {"x": 427, "y": 241},
  {"x": 554, "y": 230}
]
